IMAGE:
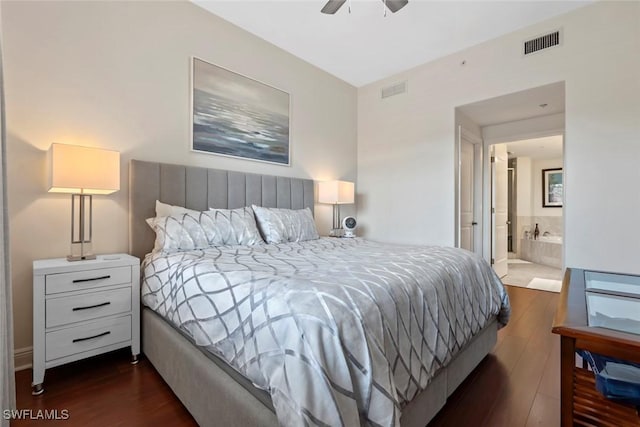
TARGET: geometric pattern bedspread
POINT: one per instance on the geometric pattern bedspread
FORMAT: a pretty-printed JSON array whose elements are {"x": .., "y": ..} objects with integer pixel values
[{"x": 340, "y": 332}]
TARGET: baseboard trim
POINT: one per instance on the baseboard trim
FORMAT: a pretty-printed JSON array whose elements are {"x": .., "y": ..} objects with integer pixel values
[{"x": 22, "y": 358}]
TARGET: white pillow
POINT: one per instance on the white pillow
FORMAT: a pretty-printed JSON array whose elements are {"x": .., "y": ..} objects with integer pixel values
[
  {"x": 285, "y": 225},
  {"x": 176, "y": 233},
  {"x": 164, "y": 209},
  {"x": 200, "y": 230}
]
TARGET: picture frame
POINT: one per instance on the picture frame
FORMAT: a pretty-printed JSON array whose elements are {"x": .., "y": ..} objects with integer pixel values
[
  {"x": 236, "y": 116},
  {"x": 552, "y": 188}
]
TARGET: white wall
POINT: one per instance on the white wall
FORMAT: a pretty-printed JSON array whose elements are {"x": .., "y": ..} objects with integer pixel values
[
  {"x": 523, "y": 186},
  {"x": 406, "y": 142},
  {"x": 468, "y": 124},
  {"x": 523, "y": 202},
  {"x": 536, "y": 186},
  {"x": 529, "y": 186},
  {"x": 116, "y": 75}
]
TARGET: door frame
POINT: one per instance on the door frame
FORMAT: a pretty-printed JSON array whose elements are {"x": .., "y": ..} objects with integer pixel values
[{"x": 478, "y": 199}]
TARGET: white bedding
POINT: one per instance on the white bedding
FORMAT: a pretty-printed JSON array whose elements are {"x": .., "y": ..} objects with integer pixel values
[{"x": 339, "y": 331}]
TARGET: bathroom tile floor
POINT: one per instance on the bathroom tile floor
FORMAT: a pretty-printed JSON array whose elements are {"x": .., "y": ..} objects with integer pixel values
[{"x": 521, "y": 273}]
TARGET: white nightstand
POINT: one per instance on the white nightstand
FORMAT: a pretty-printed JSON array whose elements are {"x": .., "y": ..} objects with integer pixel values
[{"x": 83, "y": 308}]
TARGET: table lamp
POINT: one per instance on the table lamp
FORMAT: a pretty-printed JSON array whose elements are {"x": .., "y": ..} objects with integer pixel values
[
  {"x": 82, "y": 172},
  {"x": 336, "y": 193}
]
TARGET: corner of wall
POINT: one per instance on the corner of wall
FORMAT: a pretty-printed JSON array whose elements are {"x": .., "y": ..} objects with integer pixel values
[{"x": 22, "y": 358}]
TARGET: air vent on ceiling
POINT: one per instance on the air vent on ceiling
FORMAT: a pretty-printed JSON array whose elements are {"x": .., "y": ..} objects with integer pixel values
[
  {"x": 395, "y": 89},
  {"x": 543, "y": 42}
]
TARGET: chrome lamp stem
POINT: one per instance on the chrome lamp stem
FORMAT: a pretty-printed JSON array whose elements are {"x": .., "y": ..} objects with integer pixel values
[{"x": 81, "y": 226}]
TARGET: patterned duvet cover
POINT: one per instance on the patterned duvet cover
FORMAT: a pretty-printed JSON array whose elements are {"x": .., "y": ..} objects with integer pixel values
[{"x": 340, "y": 332}]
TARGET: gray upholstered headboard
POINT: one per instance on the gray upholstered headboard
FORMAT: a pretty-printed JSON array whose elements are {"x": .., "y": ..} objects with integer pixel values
[{"x": 202, "y": 188}]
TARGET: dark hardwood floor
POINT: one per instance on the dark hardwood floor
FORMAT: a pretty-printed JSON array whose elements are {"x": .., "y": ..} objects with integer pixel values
[
  {"x": 104, "y": 391},
  {"x": 518, "y": 384}
]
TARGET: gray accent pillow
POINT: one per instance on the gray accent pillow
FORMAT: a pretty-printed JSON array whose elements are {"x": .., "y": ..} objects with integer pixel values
[
  {"x": 285, "y": 225},
  {"x": 200, "y": 230}
]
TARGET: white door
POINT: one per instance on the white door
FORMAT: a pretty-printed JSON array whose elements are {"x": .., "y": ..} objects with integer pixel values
[
  {"x": 467, "y": 218},
  {"x": 499, "y": 209}
]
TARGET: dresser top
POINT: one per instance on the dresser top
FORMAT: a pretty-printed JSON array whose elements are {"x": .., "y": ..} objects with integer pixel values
[
  {"x": 572, "y": 320},
  {"x": 62, "y": 265}
]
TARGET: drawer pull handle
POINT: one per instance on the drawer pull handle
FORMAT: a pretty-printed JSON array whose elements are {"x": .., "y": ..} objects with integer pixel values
[
  {"x": 90, "y": 338},
  {"x": 91, "y": 306},
  {"x": 92, "y": 279}
]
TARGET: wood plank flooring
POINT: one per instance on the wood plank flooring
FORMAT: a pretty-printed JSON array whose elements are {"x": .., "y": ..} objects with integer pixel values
[{"x": 517, "y": 385}]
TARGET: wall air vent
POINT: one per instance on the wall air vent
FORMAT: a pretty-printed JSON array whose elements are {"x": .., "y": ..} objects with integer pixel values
[
  {"x": 543, "y": 42},
  {"x": 393, "y": 90}
]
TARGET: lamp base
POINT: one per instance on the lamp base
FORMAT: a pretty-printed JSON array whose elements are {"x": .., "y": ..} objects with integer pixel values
[
  {"x": 336, "y": 232},
  {"x": 81, "y": 228},
  {"x": 84, "y": 257}
]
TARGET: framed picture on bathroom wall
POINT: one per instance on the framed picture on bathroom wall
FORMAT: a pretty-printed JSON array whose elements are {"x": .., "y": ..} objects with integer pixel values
[{"x": 552, "y": 188}]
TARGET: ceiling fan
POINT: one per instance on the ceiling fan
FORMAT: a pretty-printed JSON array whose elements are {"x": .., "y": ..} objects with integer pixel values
[{"x": 332, "y": 6}]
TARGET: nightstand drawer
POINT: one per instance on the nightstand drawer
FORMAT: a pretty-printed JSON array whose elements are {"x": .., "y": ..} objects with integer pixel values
[
  {"x": 88, "y": 336},
  {"x": 61, "y": 311},
  {"x": 78, "y": 280}
]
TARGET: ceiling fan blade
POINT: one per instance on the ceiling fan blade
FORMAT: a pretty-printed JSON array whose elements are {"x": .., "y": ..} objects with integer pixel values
[
  {"x": 332, "y": 6},
  {"x": 396, "y": 5}
]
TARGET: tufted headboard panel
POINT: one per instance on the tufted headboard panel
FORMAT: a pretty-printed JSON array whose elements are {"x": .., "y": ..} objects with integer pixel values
[{"x": 201, "y": 188}]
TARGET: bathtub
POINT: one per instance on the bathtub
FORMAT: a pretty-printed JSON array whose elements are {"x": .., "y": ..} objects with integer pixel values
[
  {"x": 547, "y": 250},
  {"x": 550, "y": 239}
]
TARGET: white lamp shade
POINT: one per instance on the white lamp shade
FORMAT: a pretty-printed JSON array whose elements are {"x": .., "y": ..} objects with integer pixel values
[
  {"x": 336, "y": 192},
  {"x": 75, "y": 169}
]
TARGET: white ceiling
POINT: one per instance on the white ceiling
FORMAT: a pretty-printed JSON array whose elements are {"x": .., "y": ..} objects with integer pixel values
[
  {"x": 521, "y": 105},
  {"x": 364, "y": 46},
  {"x": 549, "y": 147}
]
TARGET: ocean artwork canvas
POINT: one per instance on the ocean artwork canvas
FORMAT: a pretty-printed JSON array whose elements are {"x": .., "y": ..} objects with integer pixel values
[{"x": 237, "y": 116}]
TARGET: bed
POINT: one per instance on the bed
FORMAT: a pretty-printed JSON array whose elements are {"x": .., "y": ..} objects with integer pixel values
[{"x": 356, "y": 385}]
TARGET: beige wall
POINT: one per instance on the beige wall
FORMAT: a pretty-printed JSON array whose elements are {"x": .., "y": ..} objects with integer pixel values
[
  {"x": 406, "y": 142},
  {"x": 529, "y": 186},
  {"x": 116, "y": 75}
]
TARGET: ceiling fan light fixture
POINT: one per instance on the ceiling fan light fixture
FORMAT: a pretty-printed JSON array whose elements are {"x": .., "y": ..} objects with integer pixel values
[
  {"x": 395, "y": 5},
  {"x": 332, "y": 6}
]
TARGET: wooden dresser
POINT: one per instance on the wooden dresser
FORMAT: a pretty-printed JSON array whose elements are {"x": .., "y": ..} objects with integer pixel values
[{"x": 581, "y": 403}]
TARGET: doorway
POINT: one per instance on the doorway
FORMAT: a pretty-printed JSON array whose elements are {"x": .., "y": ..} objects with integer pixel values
[
  {"x": 496, "y": 122},
  {"x": 535, "y": 214}
]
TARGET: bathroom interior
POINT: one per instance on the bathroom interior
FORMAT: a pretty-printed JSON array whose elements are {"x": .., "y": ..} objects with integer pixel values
[{"x": 535, "y": 208}]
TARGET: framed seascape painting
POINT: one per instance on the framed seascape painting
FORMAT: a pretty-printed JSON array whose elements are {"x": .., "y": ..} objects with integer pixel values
[
  {"x": 552, "y": 188},
  {"x": 233, "y": 115}
]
